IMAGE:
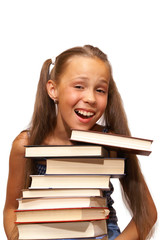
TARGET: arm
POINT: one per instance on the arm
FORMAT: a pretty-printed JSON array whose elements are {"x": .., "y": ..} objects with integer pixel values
[
  {"x": 16, "y": 181},
  {"x": 130, "y": 232}
]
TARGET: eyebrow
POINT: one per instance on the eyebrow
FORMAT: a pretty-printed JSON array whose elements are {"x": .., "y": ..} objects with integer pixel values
[
  {"x": 104, "y": 81},
  {"x": 86, "y": 78},
  {"x": 81, "y": 78}
]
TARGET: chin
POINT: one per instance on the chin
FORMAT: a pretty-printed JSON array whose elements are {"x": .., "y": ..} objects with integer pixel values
[{"x": 85, "y": 127}]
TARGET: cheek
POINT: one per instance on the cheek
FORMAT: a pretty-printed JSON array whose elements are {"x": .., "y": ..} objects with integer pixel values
[
  {"x": 70, "y": 98},
  {"x": 102, "y": 104}
]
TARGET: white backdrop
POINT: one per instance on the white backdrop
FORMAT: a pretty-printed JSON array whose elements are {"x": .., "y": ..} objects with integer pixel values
[{"x": 128, "y": 31}]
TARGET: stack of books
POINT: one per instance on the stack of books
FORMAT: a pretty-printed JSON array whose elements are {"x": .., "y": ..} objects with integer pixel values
[{"x": 67, "y": 202}]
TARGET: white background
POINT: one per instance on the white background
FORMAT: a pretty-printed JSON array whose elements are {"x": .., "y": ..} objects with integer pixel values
[{"x": 128, "y": 31}]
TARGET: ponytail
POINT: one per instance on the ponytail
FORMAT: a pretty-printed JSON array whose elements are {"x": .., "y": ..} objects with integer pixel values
[
  {"x": 44, "y": 114},
  {"x": 133, "y": 183}
]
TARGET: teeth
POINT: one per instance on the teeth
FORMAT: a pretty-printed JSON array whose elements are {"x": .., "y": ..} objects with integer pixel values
[{"x": 84, "y": 113}]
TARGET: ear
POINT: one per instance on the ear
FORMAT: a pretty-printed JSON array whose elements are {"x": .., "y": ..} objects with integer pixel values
[{"x": 52, "y": 90}]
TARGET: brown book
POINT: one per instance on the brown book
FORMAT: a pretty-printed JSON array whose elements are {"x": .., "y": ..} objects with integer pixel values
[
  {"x": 61, "y": 215},
  {"x": 40, "y": 193},
  {"x": 113, "y": 141},
  {"x": 46, "y": 151},
  {"x": 63, "y": 202},
  {"x": 85, "y": 166},
  {"x": 62, "y": 230},
  {"x": 70, "y": 181}
]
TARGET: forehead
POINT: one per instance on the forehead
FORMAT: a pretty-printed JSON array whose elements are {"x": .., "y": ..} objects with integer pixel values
[{"x": 87, "y": 65}]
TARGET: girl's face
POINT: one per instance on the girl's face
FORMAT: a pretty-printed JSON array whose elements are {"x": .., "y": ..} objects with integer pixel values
[{"x": 82, "y": 93}]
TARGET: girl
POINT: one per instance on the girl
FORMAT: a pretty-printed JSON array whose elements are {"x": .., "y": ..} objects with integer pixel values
[{"x": 75, "y": 94}]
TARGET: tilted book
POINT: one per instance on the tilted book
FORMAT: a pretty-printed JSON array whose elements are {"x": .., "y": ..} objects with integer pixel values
[{"x": 113, "y": 141}]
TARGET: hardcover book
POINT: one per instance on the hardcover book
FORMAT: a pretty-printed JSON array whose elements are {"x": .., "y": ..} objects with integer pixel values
[
  {"x": 63, "y": 202},
  {"x": 113, "y": 141},
  {"x": 85, "y": 166},
  {"x": 61, "y": 215},
  {"x": 46, "y": 151},
  {"x": 70, "y": 230},
  {"x": 70, "y": 181},
  {"x": 40, "y": 193}
]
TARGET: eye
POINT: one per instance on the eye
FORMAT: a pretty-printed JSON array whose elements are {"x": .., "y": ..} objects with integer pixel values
[
  {"x": 100, "y": 90},
  {"x": 78, "y": 86}
]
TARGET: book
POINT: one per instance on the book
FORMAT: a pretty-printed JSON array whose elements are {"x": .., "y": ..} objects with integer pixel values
[
  {"x": 62, "y": 230},
  {"x": 113, "y": 141},
  {"x": 61, "y": 215},
  {"x": 46, "y": 151},
  {"x": 64, "y": 202},
  {"x": 102, "y": 237},
  {"x": 85, "y": 166},
  {"x": 70, "y": 181},
  {"x": 39, "y": 193}
]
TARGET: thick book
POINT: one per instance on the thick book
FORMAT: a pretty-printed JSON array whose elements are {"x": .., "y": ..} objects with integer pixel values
[
  {"x": 85, "y": 166},
  {"x": 40, "y": 193},
  {"x": 47, "y": 151},
  {"x": 70, "y": 181},
  {"x": 61, "y": 215},
  {"x": 63, "y": 202},
  {"x": 62, "y": 230},
  {"x": 114, "y": 141}
]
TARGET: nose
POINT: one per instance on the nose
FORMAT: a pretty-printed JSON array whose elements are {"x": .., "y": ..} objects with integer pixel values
[{"x": 89, "y": 97}]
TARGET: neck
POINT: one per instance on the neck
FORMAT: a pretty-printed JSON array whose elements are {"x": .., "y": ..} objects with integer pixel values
[{"x": 60, "y": 136}]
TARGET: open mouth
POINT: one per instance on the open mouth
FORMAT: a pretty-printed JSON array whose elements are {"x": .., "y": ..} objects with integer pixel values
[{"x": 84, "y": 114}]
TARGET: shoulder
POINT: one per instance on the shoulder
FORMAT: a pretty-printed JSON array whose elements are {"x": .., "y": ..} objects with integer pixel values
[
  {"x": 22, "y": 139},
  {"x": 17, "y": 159},
  {"x": 19, "y": 143}
]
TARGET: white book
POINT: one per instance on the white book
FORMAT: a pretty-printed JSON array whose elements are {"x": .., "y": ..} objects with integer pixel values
[{"x": 62, "y": 230}]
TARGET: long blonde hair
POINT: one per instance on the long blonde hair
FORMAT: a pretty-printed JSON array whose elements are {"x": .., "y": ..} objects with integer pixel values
[{"x": 44, "y": 119}]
